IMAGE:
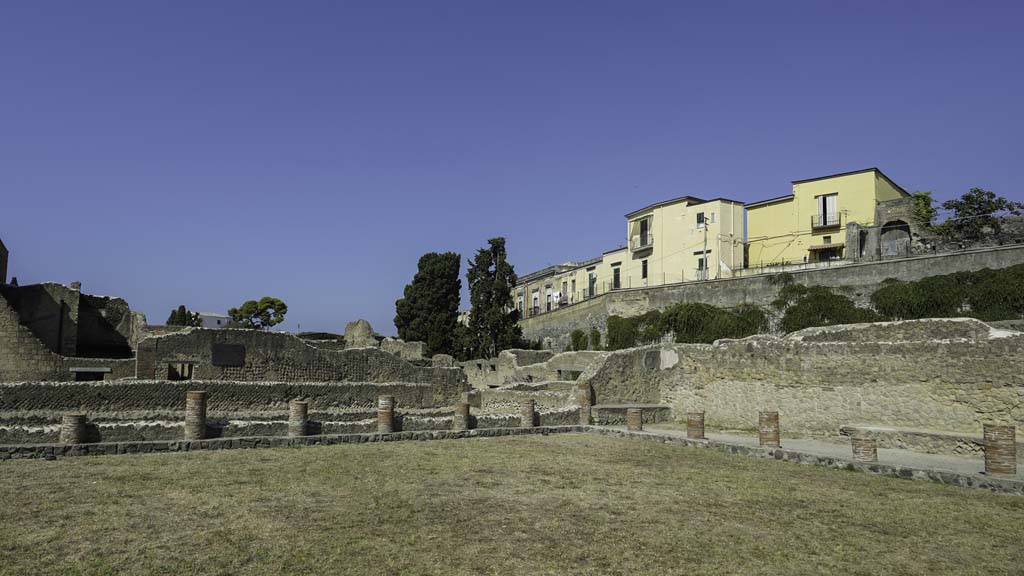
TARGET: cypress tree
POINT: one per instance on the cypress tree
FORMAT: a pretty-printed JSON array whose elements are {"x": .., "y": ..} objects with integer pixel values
[
  {"x": 429, "y": 310},
  {"x": 493, "y": 320}
]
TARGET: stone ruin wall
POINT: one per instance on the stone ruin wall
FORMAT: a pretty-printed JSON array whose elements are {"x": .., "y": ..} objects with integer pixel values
[
  {"x": 512, "y": 366},
  {"x": 856, "y": 281},
  {"x": 270, "y": 356},
  {"x": 134, "y": 396},
  {"x": 889, "y": 374}
]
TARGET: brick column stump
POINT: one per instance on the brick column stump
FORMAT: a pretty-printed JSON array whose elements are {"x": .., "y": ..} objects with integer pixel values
[
  {"x": 768, "y": 429},
  {"x": 634, "y": 419},
  {"x": 385, "y": 414},
  {"x": 195, "y": 415},
  {"x": 1000, "y": 449},
  {"x": 695, "y": 425},
  {"x": 298, "y": 417},
  {"x": 526, "y": 413},
  {"x": 72, "y": 429},
  {"x": 583, "y": 399},
  {"x": 460, "y": 420},
  {"x": 865, "y": 450}
]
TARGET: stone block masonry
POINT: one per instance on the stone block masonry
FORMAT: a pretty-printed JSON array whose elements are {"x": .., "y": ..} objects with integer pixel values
[
  {"x": 113, "y": 397},
  {"x": 251, "y": 356},
  {"x": 953, "y": 385},
  {"x": 858, "y": 281}
]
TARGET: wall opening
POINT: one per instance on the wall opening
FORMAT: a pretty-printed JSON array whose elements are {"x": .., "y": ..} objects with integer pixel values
[{"x": 179, "y": 371}]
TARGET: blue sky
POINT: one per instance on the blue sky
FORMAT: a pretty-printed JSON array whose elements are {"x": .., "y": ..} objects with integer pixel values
[{"x": 205, "y": 153}]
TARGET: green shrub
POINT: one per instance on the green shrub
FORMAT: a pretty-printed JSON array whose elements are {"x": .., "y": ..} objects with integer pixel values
[
  {"x": 984, "y": 294},
  {"x": 578, "y": 339},
  {"x": 621, "y": 332},
  {"x": 703, "y": 324},
  {"x": 690, "y": 322},
  {"x": 595, "y": 339},
  {"x": 807, "y": 306}
]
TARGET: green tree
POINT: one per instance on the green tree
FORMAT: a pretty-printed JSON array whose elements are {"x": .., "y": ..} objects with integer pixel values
[
  {"x": 259, "y": 315},
  {"x": 579, "y": 340},
  {"x": 182, "y": 317},
  {"x": 977, "y": 210},
  {"x": 493, "y": 320},
  {"x": 924, "y": 209},
  {"x": 429, "y": 311},
  {"x": 807, "y": 306}
]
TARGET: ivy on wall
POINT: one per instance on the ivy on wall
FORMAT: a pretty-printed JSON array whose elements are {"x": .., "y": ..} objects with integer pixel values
[
  {"x": 688, "y": 322},
  {"x": 984, "y": 294}
]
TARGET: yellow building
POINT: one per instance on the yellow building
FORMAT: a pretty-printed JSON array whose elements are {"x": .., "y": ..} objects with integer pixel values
[
  {"x": 810, "y": 224},
  {"x": 677, "y": 240}
]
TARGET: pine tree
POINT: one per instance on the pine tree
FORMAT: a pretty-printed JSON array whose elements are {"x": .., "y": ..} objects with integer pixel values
[
  {"x": 493, "y": 320},
  {"x": 429, "y": 312}
]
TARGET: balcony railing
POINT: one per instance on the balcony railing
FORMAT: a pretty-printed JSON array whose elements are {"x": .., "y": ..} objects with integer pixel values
[
  {"x": 830, "y": 220},
  {"x": 641, "y": 242}
]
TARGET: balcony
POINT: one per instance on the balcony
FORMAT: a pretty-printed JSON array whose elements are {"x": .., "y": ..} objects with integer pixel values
[
  {"x": 641, "y": 242},
  {"x": 830, "y": 220}
]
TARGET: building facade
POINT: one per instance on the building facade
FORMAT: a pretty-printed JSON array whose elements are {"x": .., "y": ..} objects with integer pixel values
[
  {"x": 859, "y": 215},
  {"x": 214, "y": 320},
  {"x": 810, "y": 224},
  {"x": 678, "y": 240}
]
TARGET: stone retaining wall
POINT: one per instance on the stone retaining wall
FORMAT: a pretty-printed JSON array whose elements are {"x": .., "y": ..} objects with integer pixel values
[
  {"x": 250, "y": 355},
  {"x": 126, "y": 395},
  {"x": 818, "y": 387},
  {"x": 857, "y": 281}
]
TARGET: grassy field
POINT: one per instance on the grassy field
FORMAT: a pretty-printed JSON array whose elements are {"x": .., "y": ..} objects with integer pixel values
[{"x": 574, "y": 504}]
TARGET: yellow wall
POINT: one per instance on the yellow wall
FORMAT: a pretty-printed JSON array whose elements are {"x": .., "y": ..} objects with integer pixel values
[
  {"x": 679, "y": 243},
  {"x": 781, "y": 231},
  {"x": 776, "y": 232}
]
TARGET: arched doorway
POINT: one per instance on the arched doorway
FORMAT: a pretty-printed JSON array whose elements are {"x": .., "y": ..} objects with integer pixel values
[{"x": 895, "y": 239}]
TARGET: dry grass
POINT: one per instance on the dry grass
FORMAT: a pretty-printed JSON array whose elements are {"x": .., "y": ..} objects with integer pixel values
[{"x": 574, "y": 504}]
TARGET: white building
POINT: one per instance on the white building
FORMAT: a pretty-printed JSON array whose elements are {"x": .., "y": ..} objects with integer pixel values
[{"x": 214, "y": 320}]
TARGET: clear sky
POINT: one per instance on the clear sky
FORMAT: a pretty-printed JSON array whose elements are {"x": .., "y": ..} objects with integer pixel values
[{"x": 205, "y": 153}]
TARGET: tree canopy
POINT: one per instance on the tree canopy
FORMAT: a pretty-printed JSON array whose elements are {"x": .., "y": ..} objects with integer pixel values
[
  {"x": 259, "y": 315},
  {"x": 181, "y": 316},
  {"x": 978, "y": 210},
  {"x": 493, "y": 320},
  {"x": 429, "y": 310}
]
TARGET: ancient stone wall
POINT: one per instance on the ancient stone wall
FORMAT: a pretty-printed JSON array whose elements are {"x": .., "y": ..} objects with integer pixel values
[
  {"x": 112, "y": 397},
  {"x": 49, "y": 311},
  {"x": 857, "y": 281},
  {"x": 105, "y": 327},
  {"x": 22, "y": 355},
  {"x": 403, "y": 349},
  {"x": 818, "y": 387},
  {"x": 527, "y": 366},
  {"x": 251, "y": 355}
]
